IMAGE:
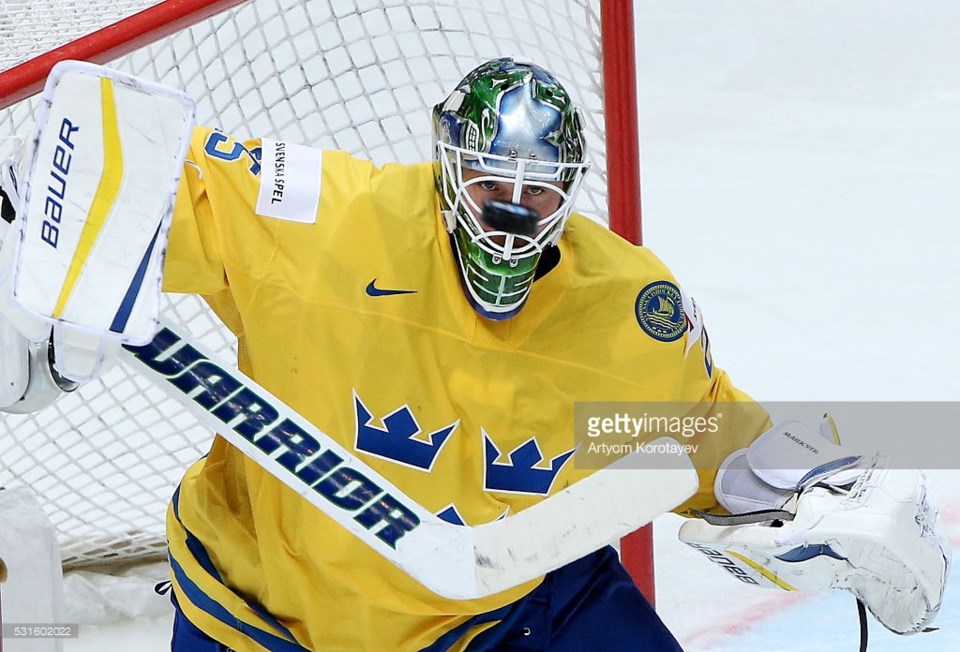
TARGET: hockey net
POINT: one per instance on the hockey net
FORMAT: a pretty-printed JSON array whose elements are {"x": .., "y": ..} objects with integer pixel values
[{"x": 358, "y": 76}]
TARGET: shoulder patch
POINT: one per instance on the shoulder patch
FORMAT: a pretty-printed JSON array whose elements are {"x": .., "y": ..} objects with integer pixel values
[
  {"x": 289, "y": 182},
  {"x": 659, "y": 311}
]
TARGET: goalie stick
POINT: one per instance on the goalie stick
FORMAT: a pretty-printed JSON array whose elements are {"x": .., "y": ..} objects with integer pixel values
[{"x": 458, "y": 562}]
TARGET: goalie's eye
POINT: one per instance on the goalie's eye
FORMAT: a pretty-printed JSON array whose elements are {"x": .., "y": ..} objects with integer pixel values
[{"x": 494, "y": 186}]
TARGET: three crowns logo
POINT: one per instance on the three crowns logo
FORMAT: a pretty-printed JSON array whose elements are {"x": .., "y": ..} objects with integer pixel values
[
  {"x": 397, "y": 440},
  {"x": 400, "y": 439},
  {"x": 521, "y": 474}
]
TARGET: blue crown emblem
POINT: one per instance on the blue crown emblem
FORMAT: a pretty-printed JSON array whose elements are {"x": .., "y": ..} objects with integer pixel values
[
  {"x": 395, "y": 441},
  {"x": 521, "y": 474},
  {"x": 451, "y": 514}
]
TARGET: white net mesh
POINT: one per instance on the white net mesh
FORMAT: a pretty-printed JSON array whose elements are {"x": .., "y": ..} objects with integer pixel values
[
  {"x": 358, "y": 76},
  {"x": 29, "y": 28}
]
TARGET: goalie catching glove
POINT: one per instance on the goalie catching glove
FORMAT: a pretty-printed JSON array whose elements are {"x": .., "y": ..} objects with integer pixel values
[{"x": 808, "y": 516}]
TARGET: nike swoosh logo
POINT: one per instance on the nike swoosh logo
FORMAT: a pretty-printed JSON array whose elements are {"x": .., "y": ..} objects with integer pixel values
[{"x": 374, "y": 291}]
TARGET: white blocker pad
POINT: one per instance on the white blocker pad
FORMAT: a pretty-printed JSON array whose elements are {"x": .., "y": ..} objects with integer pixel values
[{"x": 97, "y": 200}]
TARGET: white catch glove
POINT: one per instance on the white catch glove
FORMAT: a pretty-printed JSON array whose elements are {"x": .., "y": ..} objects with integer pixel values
[{"x": 834, "y": 521}]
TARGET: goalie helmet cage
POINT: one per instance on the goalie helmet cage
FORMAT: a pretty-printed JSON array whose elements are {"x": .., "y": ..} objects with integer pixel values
[{"x": 356, "y": 76}]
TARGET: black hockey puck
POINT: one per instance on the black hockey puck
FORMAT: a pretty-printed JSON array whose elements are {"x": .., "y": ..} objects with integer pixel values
[{"x": 510, "y": 218}]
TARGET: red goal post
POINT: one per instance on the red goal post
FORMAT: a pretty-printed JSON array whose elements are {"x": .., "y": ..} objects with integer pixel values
[{"x": 358, "y": 76}]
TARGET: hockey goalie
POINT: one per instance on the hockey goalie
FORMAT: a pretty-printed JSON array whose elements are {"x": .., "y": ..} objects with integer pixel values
[{"x": 439, "y": 321}]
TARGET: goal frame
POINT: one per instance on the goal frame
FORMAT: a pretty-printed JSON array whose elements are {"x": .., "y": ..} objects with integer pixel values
[{"x": 620, "y": 115}]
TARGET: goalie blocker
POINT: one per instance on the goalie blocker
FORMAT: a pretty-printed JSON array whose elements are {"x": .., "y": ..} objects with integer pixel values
[
  {"x": 80, "y": 270},
  {"x": 97, "y": 203},
  {"x": 833, "y": 521}
]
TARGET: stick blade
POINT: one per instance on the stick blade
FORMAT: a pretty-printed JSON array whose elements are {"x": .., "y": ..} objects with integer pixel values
[{"x": 580, "y": 519}]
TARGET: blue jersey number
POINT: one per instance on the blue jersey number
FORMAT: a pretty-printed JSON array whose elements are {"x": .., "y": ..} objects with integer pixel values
[{"x": 220, "y": 146}]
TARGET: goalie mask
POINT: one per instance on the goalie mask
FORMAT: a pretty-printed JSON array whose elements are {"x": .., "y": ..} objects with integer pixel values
[{"x": 509, "y": 127}]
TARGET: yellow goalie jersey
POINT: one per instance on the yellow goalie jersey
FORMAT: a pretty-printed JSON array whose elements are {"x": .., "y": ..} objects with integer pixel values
[{"x": 339, "y": 281}]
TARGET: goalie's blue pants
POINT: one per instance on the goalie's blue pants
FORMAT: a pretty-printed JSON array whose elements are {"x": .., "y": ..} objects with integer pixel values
[{"x": 591, "y": 604}]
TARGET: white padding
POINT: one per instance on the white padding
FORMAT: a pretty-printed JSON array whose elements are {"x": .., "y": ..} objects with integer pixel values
[
  {"x": 767, "y": 473},
  {"x": 30, "y": 326},
  {"x": 33, "y": 592},
  {"x": 14, "y": 364},
  {"x": 882, "y": 540},
  {"x": 740, "y": 491},
  {"x": 786, "y": 453},
  {"x": 42, "y": 388},
  {"x": 80, "y": 355}
]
